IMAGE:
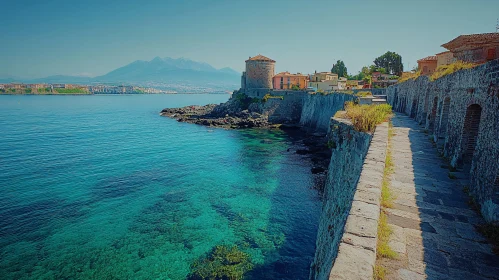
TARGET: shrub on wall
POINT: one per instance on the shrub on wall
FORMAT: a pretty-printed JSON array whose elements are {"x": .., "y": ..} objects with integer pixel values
[
  {"x": 365, "y": 118},
  {"x": 409, "y": 76},
  {"x": 268, "y": 96},
  {"x": 444, "y": 70},
  {"x": 364, "y": 93}
]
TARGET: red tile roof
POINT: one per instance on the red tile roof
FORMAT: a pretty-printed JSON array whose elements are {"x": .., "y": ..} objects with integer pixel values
[
  {"x": 428, "y": 58},
  {"x": 291, "y": 75},
  {"x": 260, "y": 58},
  {"x": 472, "y": 41},
  {"x": 443, "y": 53}
]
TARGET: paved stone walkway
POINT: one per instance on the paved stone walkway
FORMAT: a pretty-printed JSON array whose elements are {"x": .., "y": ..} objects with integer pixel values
[{"x": 433, "y": 226}]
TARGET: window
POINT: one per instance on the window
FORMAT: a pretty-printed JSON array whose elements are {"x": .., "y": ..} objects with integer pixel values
[{"x": 491, "y": 54}]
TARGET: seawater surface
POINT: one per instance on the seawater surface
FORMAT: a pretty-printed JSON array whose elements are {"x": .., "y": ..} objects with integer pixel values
[{"x": 102, "y": 187}]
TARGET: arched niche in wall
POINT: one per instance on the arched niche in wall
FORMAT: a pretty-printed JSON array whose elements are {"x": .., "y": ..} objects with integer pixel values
[
  {"x": 470, "y": 132},
  {"x": 444, "y": 119}
]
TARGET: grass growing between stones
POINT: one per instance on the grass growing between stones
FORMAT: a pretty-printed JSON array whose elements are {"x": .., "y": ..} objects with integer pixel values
[
  {"x": 383, "y": 249},
  {"x": 365, "y": 118},
  {"x": 379, "y": 272},
  {"x": 386, "y": 195}
]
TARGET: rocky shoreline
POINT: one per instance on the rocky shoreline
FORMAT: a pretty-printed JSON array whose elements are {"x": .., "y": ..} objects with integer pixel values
[
  {"x": 237, "y": 114},
  {"x": 222, "y": 115}
]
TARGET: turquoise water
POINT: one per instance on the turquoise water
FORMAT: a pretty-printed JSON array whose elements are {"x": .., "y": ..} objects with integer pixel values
[{"x": 102, "y": 187}]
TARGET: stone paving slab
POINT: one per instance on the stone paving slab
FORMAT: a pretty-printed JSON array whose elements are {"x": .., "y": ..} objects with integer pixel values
[{"x": 433, "y": 227}]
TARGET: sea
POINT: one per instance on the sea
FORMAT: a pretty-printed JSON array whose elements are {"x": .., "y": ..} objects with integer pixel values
[{"x": 103, "y": 187}]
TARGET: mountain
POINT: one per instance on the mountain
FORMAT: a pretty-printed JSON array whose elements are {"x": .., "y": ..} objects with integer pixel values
[
  {"x": 177, "y": 74},
  {"x": 179, "y": 70},
  {"x": 62, "y": 79}
]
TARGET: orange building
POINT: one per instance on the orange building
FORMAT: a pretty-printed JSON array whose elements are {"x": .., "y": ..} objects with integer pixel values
[
  {"x": 427, "y": 65},
  {"x": 475, "y": 48},
  {"x": 286, "y": 80}
]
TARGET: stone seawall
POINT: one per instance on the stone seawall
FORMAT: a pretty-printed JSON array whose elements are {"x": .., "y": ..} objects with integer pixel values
[
  {"x": 286, "y": 110},
  {"x": 461, "y": 111},
  {"x": 350, "y": 210},
  {"x": 318, "y": 109}
]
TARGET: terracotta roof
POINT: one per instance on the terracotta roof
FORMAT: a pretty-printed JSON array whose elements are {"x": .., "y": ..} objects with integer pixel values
[
  {"x": 472, "y": 40},
  {"x": 260, "y": 58},
  {"x": 443, "y": 52},
  {"x": 291, "y": 75},
  {"x": 428, "y": 58}
]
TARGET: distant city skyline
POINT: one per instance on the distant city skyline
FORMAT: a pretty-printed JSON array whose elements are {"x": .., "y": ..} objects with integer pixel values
[{"x": 91, "y": 38}]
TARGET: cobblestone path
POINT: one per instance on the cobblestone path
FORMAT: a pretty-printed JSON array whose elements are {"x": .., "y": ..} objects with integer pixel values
[{"x": 433, "y": 226}]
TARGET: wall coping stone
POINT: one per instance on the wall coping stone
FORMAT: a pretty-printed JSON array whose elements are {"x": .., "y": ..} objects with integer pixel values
[{"x": 357, "y": 251}]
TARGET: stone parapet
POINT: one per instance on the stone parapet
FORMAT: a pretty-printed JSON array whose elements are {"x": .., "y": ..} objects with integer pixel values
[
  {"x": 347, "y": 235},
  {"x": 357, "y": 250}
]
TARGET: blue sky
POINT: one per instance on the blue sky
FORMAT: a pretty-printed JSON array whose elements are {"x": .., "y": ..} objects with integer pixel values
[{"x": 41, "y": 38}]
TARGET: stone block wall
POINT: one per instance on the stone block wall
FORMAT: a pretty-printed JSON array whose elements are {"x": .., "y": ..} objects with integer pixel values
[
  {"x": 287, "y": 110},
  {"x": 259, "y": 74},
  {"x": 347, "y": 235},
  {"x": 318, "y": 109},
  {"x": 461, "y": 111}
]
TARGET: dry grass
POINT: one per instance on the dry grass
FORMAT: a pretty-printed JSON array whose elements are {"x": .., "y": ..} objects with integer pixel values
[
  {"x": 365, "y": 118},
  {"x": 409, "y": 76},
  {"x": 386, "y": 194},
  {"x": 379, "y": 272},
  {"x": 364, "y": 93},
  {"x": 444, "y": 70},
  {"x": 383, "y": 250}
]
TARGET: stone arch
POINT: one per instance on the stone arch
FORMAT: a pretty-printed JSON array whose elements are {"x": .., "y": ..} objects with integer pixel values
[
  {"x": 433, "y": 114},
  {"x": 444, "y": 117},
  {"x": 414, "y": 108},
  {"x": 470, "y": 132},
  {"x": 395, "y": 100},
  {"x": 403, "y": 104}
]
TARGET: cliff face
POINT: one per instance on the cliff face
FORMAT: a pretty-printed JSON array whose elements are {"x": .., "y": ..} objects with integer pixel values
[
  {"x": 461, "y": 111},
  {"x": 318, "y": 109},
  {"x": 349, "y": 150}
]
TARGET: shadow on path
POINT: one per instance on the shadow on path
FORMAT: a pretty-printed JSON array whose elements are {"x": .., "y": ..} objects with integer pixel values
[{"x": 433, "y": 226}]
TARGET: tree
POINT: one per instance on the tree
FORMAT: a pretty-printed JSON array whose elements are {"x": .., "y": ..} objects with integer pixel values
[
  {"x": 340, "y": 69},
  {"x": 391, "y": 61}
]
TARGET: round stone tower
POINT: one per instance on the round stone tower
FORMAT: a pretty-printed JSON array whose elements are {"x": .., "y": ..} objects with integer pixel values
[{"x": 259, "y": 74}]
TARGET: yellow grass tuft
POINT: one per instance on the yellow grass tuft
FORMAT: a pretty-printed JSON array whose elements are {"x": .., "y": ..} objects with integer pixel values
[
  {"x": 366, "y": 117},
  {"x": 444, "y": 70},
  {"x": 383, "y": 250},
  {"x": 409, "y": 76}
]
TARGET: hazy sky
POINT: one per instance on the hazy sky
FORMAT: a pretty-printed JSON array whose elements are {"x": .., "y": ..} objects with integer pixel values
[{"x": 41, "y": 38}]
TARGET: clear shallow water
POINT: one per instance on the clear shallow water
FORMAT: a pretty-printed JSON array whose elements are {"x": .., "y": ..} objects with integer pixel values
[{"x": 102, "y": 187}]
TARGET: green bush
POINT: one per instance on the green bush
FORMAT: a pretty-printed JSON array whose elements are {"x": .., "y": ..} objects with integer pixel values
[
  {"x": 27, "y": 90},
  {"x": 223, "y": 262}
]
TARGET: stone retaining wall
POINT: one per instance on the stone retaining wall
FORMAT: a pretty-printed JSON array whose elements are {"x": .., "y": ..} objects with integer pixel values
[
  {"x": 318, "y": 109},
  {"x": 347, "y": 235}
]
